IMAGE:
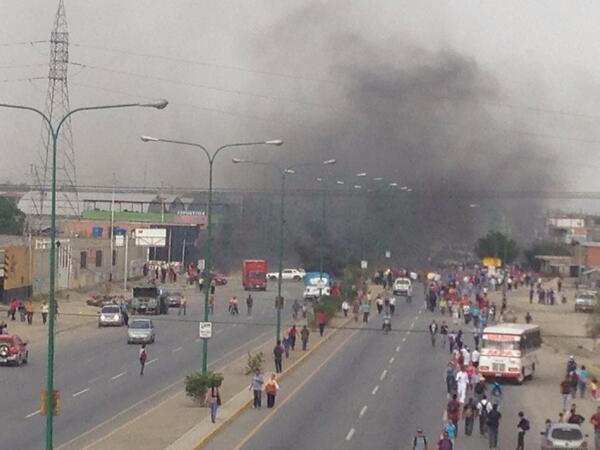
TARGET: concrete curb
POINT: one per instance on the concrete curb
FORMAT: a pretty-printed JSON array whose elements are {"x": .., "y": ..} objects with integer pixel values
[{"x": 191, "y": 441}]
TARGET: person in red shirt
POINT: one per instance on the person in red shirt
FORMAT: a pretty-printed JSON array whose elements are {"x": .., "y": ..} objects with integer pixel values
[
  {"x": 322, "y": 319},
  {"x": 595, "y": 420}
]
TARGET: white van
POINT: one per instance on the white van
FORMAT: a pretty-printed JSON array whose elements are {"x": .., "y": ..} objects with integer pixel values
[{"x": 403, "y": 287}]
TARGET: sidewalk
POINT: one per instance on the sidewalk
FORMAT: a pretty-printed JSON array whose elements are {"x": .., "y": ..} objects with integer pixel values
[
  {"x": 179, "y": 423},
  {"x": 541, "y": 398}
]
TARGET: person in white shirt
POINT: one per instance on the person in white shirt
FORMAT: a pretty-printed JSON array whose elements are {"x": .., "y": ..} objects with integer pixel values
[
  {"x": 462, "y": 380},
  {"x": 466, "y": 356},
  {"x": 392, "y": 304},
  {"x": 475, "y": 357},
  {"x": 345, "y": 308}
]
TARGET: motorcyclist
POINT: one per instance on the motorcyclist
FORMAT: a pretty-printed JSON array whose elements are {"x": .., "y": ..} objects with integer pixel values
[{"x": 387, "y": 321}]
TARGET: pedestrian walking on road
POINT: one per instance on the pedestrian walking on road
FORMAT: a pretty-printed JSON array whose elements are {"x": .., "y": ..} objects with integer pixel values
[
  {"x": 453, "y": 411},
  {"x": 304, "y": 333},
  {"x": 29, "y": 312},
  {"x": 12, "y": 308},
  {"x": 278, "y": 351},
  {"x": 445, "y": 443},
  {"x": 345, "y": 308},
  {"x": 451, "y": 430},
  {"x": 462, "y": 380},
  {"x": 493, "y": 425},
  {"x": 379, "y": 304},
  {"x": 22, "y": 312},
  {"x": 44, "y": 311},
  {"x": 582, "y": 375},
  {"x": 392, "y": 305},
  {"x": 286, "y": 346},
  {"x": 124, "y": 313},
  {"x": 296, "y": 308},
  {"x": 365, "y": 310},
  {"x": 256, "y": 386},
  {"x": 523, "y": 427},
  {"x": 595, "y": 421},
  {"x": 143, "y": 357},
  {"x": 249, "y": 304},
  {"x": 182, "y": 306},
  {"x": 213, "y": 400},
  {"x": 483, "y": 409},
  {"x": 469, "y": 412},
  {"x": 293, "y": 333},
  {"x": 355, "y": 309},
  {"x": 419, "y": 441},
  {"x": 322, "y": 319},
  {"x": 271, "y": 388},
  {"x": 565, "y": 391},
  {"x": 211, "y": 304}
]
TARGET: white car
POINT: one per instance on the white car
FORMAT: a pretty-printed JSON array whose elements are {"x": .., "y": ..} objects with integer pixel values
[
  {"x": 403, "y": 287},
  {"x": 585, "y": 301},
  {"x": 287, "y": 274},
  {"x": 110, "y": 315},
  {"x": 564, "y": 435}
]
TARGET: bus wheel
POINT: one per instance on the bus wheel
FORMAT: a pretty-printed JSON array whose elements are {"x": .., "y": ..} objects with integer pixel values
[{"x": 521, "y": 377}]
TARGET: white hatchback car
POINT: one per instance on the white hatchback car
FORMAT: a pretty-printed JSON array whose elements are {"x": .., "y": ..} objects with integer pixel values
[
  {"x": 564, "y": 435},
  {"x": 110, "y": 315},
  {"x": 403, "y": 287}
]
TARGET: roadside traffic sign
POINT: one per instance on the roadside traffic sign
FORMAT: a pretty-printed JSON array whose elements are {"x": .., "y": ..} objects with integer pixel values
[
  {"x": 205, "y": 330},
  {"x": 363, "y": 264},
  {"x": 388, "y": 254},
  {"x": 201, "y": 264}
]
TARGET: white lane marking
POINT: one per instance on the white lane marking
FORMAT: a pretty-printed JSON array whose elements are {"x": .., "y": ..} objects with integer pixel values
[
  {"x": 397, "y": 349},
  {"x": 350, "y": 434},
  {"x": 362, "y": 411},
  {"x": 391, "y": 359},
  {"x": 412, "y": 325},
  {"x": 77, "y": 394},
  {"x": 383, "y": 374},
  {"x": 93, "y": 380},
  {"x": 375, "y": 389},
  {"x": 35, "y": 413},
  {"x": 178, "y": 349},
  {"x": 119, "y": 375},
  {"x": 404, "y": 339},
  {"x": 151, "y": 361}
]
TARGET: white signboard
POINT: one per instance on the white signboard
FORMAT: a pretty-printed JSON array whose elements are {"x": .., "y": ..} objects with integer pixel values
[
  {"x": 150, "y": 237},
  {"x": 205, "y": 330},
  {"x": 363, "y": 264},
  {"x": 201, "y": 264},
  {"x": 119, "y": 240},
  {"x": 388, "y": 254}
]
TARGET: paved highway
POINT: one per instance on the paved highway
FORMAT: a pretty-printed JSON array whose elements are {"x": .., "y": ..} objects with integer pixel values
[
  {"x": 372, "y": 394},
  {"x": 97, "y": 372}
]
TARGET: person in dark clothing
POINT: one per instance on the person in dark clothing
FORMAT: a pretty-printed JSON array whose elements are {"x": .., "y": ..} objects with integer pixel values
[
  {"x": 493, "y": 425},
  {"x": 278, "y": 352},
  {"x": 249, "y": 304},
  {"x": 523, "y": 427}
]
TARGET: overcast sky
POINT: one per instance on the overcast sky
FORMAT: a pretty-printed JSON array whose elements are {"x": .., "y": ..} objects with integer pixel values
[{"x": 241, "y": 70}]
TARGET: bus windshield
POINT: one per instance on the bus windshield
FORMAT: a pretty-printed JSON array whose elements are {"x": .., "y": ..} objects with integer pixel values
[{"x": 500, "y": 345}]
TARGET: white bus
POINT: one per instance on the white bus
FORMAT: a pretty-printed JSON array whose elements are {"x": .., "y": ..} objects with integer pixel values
[{"x": 510, "y": 351}]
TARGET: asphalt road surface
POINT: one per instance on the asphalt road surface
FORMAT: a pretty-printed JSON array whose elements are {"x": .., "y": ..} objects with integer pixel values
[
  {"x": 97, "y": 372},
  {"x": 372, "y": 394}
]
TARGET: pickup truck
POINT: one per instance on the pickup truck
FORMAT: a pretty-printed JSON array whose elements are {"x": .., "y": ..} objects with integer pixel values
[{"x": 287, "y": 274}]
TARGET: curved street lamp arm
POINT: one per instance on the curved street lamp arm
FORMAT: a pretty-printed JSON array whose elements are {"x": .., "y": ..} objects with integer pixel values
[
  {"x": 240, "y": 144},
  {"x": 192, "y": 144},
  {"x": 92, "y": 108},
  {"x": 28, "y": 108}
]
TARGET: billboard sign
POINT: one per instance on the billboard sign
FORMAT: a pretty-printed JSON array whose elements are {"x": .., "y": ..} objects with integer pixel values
[{"x": 150, "y": 237}]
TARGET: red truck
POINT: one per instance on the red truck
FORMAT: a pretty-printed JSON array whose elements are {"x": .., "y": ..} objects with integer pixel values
[{"x": 254, "y": 274}]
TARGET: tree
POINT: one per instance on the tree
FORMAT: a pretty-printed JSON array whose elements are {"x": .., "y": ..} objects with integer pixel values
[
  {"x": 498, "y": 245},
  {"x": 547, "y": 248},
  {"x": 12, "y": 218}
]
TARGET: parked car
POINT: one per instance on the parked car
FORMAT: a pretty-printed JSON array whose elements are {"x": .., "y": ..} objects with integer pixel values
[
  {"x": 141, "y": 331},
  {"x": 110, "y": 315},
  {"x": 564, "y": 435},
  {"x": 13, "y": 350},
  {"x": 287, "y": 274},
  {"x": 585, "y": 301},
  {"x": 403, "y": 286},
  {"x": 173, "y": 299}
]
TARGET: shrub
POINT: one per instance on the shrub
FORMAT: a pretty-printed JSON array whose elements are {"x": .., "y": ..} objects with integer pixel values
[
  {"x": 197, "y": 384},
  {"x": 255, "y": 361}
]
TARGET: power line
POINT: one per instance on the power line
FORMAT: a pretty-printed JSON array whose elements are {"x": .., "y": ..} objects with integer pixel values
[
  {"x": 206, "y": 64},
  {"x": 12, "y": 44}
]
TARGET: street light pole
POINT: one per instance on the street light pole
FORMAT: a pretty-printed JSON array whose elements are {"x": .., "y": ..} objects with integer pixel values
[
  {"x": 208, "y": 262},
  {"x": 54, "y": 133},
  {"x": 280, "y": 245}
]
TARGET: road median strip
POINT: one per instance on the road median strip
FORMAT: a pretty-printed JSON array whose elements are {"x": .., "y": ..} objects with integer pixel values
[{"x": 197, "y": 437}]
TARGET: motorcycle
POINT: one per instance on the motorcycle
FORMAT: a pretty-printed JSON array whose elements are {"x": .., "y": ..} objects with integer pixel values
[{"x": 387, "y": 325}]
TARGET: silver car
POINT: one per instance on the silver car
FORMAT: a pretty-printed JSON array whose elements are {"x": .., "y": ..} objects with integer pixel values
[
  {"x": 564, "y": 435},
  {"x": 110, "y": 315},
  {"x": 140, "y": 331}
]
